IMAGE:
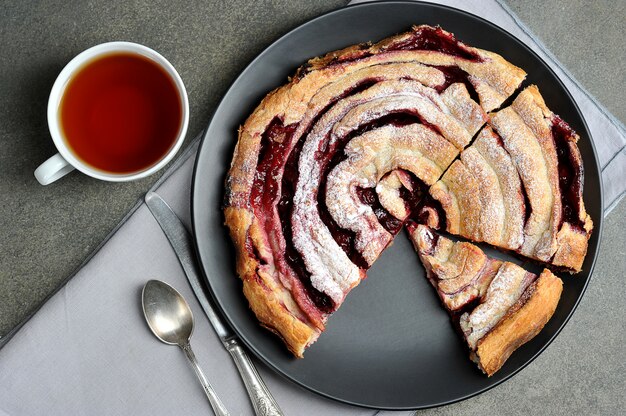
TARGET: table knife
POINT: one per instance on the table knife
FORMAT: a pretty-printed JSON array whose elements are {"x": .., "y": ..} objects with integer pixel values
[{"x": 180, "y": 239}]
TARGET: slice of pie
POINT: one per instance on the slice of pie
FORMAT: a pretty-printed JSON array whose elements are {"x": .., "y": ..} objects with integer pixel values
[
  {"x": 497, "y": 305},
  {"x": 519, "y": 186},
  {"x": 329, "y": 167}
]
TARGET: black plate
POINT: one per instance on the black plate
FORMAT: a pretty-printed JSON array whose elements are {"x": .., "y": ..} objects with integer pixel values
[{"x": 391, "y": 344}]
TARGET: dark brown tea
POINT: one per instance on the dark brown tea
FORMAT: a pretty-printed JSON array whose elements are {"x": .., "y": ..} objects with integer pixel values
[{"x": 121, "y": 113}]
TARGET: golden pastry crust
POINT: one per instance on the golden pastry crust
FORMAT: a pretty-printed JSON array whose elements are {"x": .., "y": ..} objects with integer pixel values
[
  {"x": 554, "y": 240},
  {"x": 459, "y": 193},
  {"x": 572, "y": 245},
  {"x": 267, "y": 299},
  {"x": 273, "y": 315},
  {"x": 502, "y": 190},
  {"x": 481, "y": 194},
  {"x": 521, "y": 324},
  {"x": 494, "y": 83},
  {"x": 528, "y": 113},
  {"x": 388, "y": 190}
]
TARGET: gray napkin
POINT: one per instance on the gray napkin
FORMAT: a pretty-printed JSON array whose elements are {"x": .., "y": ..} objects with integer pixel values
[{"x": 87, "y": 351}]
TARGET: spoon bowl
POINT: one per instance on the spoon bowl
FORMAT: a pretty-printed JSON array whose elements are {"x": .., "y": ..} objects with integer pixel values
[
  {"x": 168, "y": 315},
  {"x": 170, "y": 319}
]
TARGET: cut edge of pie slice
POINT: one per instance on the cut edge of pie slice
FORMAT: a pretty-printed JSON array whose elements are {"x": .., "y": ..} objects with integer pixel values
[{"x": 496, "y": 305}]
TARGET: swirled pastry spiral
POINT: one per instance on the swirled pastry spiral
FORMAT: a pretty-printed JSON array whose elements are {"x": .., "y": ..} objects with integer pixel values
[{"x": 330, "y": 167}]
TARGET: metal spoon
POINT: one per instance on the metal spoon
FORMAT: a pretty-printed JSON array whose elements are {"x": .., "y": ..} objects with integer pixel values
[{"x": 170, "y": 320}]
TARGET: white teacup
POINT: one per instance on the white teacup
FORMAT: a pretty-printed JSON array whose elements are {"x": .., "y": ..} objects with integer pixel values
[{"x": 66, "y": 160}]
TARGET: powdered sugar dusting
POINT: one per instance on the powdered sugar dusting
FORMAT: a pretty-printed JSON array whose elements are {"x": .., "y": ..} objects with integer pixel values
[
  {"x": 505, "y": 289},
  {"x": 525, "y": 151},
  {"x": 492, "y": 212},
  {"x": 331, "y": 270},
  {"x": 370, "y": 157},
  {"x": 512, "y": 233}
]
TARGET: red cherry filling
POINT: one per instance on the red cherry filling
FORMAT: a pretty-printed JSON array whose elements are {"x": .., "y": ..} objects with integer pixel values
[
  {"x": 421, "y": 205},
  {"x": 421, "y": 39},
  {"x": 528, "y": 209},
  {"x": 368, "y": 196},
  {"x": 453, "y": 75},
  {"x": 571, "y": 173},
  {"x": 435, "y": 39},
  {"x": 274, "y": 144}
]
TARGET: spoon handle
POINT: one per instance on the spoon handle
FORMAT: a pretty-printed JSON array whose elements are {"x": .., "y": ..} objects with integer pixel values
[
  {"x": 216, "y": 403},
  {"x": 262, "y": 400}
]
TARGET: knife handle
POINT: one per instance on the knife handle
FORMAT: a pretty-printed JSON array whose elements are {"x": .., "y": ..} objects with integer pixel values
[{"x": 262, "y": 400}]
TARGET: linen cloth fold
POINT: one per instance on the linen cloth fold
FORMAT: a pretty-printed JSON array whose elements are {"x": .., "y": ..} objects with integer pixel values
[{"x": 88, "y": 351}]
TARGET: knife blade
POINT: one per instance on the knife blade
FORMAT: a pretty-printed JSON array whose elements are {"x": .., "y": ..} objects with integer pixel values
[{"x": 182, "y": 243}]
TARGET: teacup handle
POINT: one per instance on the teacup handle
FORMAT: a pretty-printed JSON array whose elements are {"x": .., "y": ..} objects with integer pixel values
[{"x": 52, "y": 169}]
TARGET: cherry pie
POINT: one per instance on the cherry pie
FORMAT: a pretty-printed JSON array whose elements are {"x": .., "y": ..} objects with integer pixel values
[{"x": 361, "y": 141}]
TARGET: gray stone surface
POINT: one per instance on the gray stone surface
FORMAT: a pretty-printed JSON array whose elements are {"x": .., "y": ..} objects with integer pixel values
[
  {"x": 47, "y": 231},
  {"x": 588, "y": 38}
]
